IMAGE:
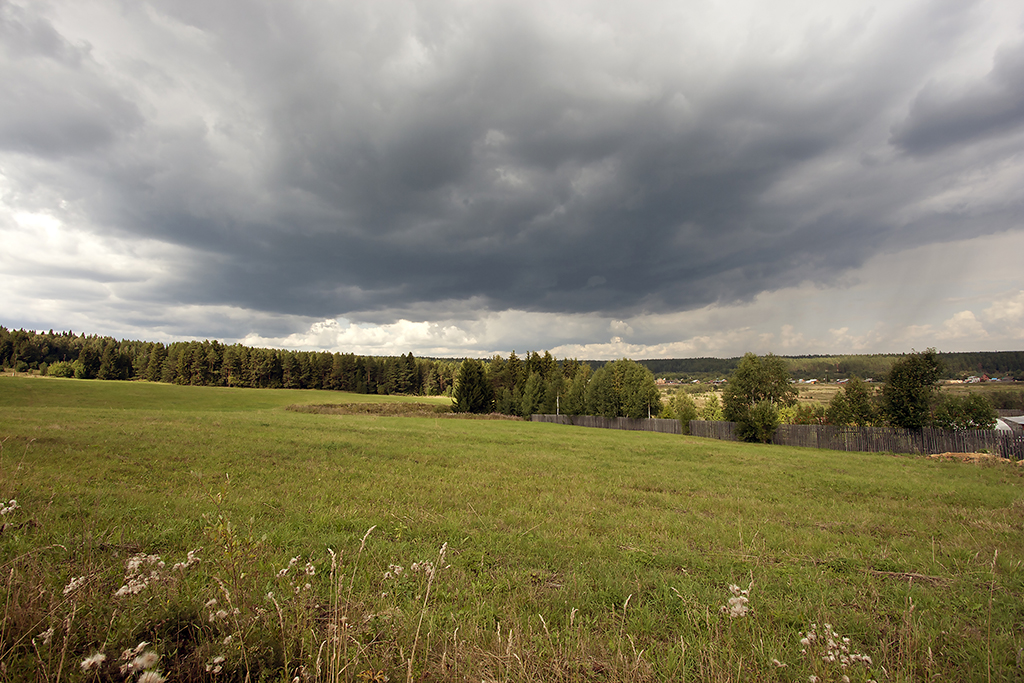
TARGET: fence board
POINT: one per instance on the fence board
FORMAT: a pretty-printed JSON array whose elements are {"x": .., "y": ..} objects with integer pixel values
[
  {"x": 1009, "y": 445},
  {"x": 641, "y": 425}
]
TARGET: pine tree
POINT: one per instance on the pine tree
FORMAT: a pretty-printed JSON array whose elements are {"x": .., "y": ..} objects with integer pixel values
[{"x": 473, "y": 393}]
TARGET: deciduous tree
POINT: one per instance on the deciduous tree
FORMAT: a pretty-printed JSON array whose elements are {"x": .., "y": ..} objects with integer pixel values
[
  {"x": 909, "y": 390},
  {"x": 761, "y": 383}
]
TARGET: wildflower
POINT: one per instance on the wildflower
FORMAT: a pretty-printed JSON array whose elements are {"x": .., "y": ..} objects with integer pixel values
[
  {"x": 10, "y": 507},
  {"x": 190, "y": 560},
  {"x": 778, "y": 664},
  {"x": 310, "y": 569},
  {"x": 737, "y": 606},
  {"x": 128, "y": 654},
  {"x": 812, "y": 679},
  {"x": 151, "y": 677},
  {"x": 146, "y": 660},
  {"x": 212, "y": 602},
  {"x": 214, "y": 665},
  {"x": 227, "y": 640},
  {"x": 93, "y": 661},
  {"x": 46, "y": 635},
  {"x": 74, "y": 585}
]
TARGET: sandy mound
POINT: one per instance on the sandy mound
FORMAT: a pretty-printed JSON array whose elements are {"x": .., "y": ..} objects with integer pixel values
[{"x": 966, "y": 457}]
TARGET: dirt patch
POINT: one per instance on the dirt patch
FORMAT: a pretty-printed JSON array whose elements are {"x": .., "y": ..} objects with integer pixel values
[
  {"x": 967, "y": 457},
  {"x": 392, "y": 409}
]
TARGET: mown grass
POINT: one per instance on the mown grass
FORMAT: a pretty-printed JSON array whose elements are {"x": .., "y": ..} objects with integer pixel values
[{"x": 572, "y": 554}]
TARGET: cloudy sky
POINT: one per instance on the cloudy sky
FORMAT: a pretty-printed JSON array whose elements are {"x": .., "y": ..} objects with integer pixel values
[{"x": 459, "y": 177}]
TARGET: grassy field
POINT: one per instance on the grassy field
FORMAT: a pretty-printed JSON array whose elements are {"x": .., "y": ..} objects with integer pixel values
[{"x": 480, "y": 550}]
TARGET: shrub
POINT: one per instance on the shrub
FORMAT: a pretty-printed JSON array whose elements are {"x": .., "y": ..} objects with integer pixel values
[
  {"x": 61, "y": 369},
  {"x": 684, "y": 410},
  {"x": 759, "y": 423},
  {"x": 964, "y": 412}
]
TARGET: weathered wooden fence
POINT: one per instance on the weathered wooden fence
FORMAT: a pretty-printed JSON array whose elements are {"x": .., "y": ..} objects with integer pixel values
[
  {"x": 880, "y": 439},
  {"x": 638, "y": 425}
]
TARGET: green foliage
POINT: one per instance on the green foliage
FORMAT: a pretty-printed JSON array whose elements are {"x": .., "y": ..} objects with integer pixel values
[
  {"x": 1007, "y": 400},
  {"x": 803, "y": 414},
  {"x": 972, "y": 411},
  {"x": 61, "y": 368},
  {"x": 473, "y": 393},
  {"x": 909, "y": 390},
  {"x": 575, "y": 402},
  {"x": 534, "y": 396},
  {"x": 762, "y": 383},
  {"x": 712, "y": 409},
  {"x": 760, "y": 423},
  {"x": 854, "y": 405},
  {"x": 684, "y": 409},
  {"x": 623, "y": 388}
]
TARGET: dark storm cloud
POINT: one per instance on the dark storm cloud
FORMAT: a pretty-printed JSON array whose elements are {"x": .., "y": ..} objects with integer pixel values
[
  {"x": 943, "y": 116},
  {"x": 53, "y": 102},
  {"x": 326, "y": 158}
]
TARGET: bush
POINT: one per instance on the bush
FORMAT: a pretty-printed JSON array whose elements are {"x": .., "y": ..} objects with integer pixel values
[
  {"x": 711, "y": 411},
  {"x": 760, "y": 422},
  {"x": 684, "y": 409},
  {"x": 803, "y": 414},
  {"x": 61, "y": 369},
  {"x": 1007, "y": 400},
  {"x": 964, "y": 412},
  {"x": 853, "y": 406}
]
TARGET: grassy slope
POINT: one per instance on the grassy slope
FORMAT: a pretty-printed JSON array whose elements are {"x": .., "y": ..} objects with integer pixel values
[{"x": 541, "y": 520}]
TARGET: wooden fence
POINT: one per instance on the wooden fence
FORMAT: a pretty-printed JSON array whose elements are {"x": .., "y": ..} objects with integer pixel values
[
  {"x": 639, "y": 425},
  {"x": 880, "y": 439}
]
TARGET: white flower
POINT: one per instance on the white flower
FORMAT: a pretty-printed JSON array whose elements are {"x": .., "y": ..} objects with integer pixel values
[
  {"x": 93, "y": 661},
  {"x": 147, "y": 660},
  {"x": 74, "y": 585}
]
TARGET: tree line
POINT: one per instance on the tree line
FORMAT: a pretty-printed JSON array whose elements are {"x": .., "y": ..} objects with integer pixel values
[
  {"x": 517, "y": 386},
  {"x": 759, "y": 397}
]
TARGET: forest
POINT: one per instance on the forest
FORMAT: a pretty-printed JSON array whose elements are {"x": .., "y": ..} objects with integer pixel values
[{"x": 520, "y": 385}]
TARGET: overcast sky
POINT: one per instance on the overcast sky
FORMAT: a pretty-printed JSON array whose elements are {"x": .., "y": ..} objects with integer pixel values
[{"x": 671, "y": 179}]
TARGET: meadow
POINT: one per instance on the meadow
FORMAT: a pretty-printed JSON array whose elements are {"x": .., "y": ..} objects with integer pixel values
[{"x": 154, "y": 531}]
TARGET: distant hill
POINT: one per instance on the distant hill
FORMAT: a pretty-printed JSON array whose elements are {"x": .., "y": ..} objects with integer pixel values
[{"x": 956, "y": 365}]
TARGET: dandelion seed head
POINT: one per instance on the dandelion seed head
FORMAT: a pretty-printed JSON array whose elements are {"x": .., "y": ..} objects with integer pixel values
[
  {"x": 93, "y": 661},
  {"x": 146, "y": 660},
  {"x": 74, "y": 585},
  {"x": 152, "y": 677}
]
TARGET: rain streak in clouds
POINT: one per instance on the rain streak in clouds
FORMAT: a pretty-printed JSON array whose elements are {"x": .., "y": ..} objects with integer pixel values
[{"x": 460, "y": 178}]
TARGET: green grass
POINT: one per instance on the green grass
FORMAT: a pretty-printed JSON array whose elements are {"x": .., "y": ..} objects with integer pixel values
[{"x": 575, "y": 554}]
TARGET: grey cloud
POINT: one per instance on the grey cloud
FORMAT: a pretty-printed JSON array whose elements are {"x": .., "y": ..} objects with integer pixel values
[
  {"x": 942, "y": 117},
  {"x": 54, "y": 101},
  {"x": 393, "y": 157}
]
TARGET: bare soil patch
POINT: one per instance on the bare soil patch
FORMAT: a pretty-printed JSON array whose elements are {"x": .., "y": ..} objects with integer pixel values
[
  {"x": 393, "y": 409},
  {"x": 967, "y": 457}
]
